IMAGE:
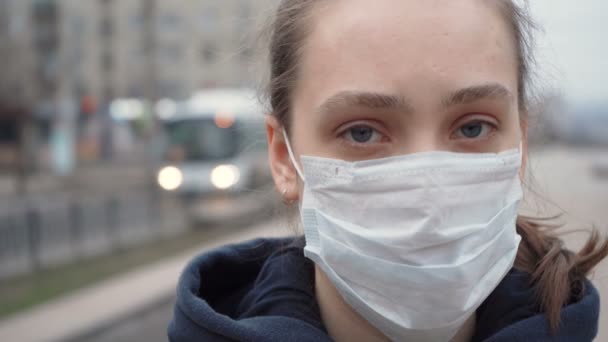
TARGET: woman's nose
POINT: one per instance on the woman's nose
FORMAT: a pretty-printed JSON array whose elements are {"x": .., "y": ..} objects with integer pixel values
[{"x": 422, "y": 141}]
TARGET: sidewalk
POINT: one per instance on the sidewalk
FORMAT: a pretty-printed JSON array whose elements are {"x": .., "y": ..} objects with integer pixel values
[{"x": 87, "y": 310}]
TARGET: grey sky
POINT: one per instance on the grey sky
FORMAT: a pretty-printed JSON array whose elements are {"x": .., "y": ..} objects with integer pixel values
[{"x": 573, "y": 50}]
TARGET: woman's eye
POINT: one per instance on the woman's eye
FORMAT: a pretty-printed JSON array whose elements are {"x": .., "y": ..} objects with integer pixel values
[
  {"x": 474, "y": 130},
  {"x": 362, "y": 135}
]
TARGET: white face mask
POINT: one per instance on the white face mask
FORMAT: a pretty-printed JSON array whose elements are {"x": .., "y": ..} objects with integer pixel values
[{"x": 413, "y": 243}]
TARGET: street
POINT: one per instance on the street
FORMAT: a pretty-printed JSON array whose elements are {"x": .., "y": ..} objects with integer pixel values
[
  {"x": 563, "y": 174},
  {"x": 150, "y": 326}
]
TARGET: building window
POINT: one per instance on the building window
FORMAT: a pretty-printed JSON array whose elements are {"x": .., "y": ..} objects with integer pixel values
[
  {"x": 136, "y": 21},
  {"x": 45, "y": 9},
  {"x": 169, "y": 22},
  {"x": 79, "y": 25},
  {"x": 9, "y": 132}
]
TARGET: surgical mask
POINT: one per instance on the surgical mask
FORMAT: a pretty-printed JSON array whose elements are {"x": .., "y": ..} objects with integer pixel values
[{"x": 414, "y": 243}]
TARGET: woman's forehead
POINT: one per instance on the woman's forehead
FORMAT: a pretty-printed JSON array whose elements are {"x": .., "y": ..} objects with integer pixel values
[{"x": 394, "y": 43}]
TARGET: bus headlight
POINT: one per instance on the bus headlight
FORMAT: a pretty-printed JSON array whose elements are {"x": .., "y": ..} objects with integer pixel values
[
  {"x": 170, "y": 178},
  {"x": 225, "y": 176}
]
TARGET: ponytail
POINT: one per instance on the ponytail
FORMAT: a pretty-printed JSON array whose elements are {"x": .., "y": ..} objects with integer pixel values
[{"x": 557, "y": 274}]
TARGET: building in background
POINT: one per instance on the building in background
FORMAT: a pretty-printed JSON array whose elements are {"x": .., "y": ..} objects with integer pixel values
[
  {"x": 54, "y": 52},
  {"x": 205, "y": 43},
  {"x": 16, "y": 60}
]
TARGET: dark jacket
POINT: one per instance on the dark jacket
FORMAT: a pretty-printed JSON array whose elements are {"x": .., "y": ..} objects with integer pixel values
[{"x": 263, "y": 290}]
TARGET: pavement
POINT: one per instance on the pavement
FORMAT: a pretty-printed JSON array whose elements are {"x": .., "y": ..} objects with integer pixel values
[{"x": 83, "y": 314}]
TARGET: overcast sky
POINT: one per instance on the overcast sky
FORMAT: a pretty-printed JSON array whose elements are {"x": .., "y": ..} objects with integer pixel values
[{"x": 574, "y": 47}]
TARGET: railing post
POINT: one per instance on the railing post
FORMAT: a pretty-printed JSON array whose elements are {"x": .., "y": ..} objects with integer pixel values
[
  {"x": 76, "y": 218},
  {"x": 34, "y": 237},
  {"x": 113, "y": 222}
]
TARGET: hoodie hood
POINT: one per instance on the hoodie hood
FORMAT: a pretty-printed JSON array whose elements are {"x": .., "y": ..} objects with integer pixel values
[
  {"x": 256, "y": 291},
  {"x": 263, "y": 290},
  {"x": 511, "y": 313}
]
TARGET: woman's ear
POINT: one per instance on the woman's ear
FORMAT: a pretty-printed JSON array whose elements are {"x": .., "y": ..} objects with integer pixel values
[{"x": 282, "y": 169}]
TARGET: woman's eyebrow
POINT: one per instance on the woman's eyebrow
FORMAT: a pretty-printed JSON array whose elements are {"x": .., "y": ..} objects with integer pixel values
[
  {"x": 374, "y": 100},
  {"x": 368, "y": 100},
  {"x": 476, "y": 93}
]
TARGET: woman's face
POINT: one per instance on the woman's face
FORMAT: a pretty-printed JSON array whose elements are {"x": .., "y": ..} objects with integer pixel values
[{"x": 390, "y": 77}]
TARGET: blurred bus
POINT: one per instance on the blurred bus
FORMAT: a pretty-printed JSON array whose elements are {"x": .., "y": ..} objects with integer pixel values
[{"x": 215, "y": 154}]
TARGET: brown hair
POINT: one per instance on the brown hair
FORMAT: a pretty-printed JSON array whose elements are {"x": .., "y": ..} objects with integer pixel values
[{"x": 557, "y": 274}]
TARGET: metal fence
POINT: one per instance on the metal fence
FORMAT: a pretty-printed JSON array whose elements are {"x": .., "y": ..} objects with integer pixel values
[{"x": 37, "y": 234}]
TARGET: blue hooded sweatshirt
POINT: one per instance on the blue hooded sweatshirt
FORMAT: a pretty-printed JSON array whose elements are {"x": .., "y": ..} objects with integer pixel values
[{"x": 263, "y": 290}]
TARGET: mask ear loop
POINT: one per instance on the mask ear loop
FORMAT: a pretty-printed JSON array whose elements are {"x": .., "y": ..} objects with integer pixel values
[
  {"x": 292, "y": 156},
  {"x": 521, "y": 152},
  {"x": 521, "y": 148}
]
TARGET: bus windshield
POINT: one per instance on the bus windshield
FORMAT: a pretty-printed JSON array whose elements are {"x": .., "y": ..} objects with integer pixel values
[{"x": 200, "y": 139}]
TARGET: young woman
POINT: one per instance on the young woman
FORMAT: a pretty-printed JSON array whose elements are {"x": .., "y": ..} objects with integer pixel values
[{"x": 398, "y": 129}]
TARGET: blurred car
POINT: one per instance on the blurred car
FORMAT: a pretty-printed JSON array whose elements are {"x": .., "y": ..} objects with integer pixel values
[{"x": 215, "y": 155}]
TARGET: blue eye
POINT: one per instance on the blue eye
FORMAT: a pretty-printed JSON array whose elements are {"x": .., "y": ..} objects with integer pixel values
[
  {"x": 361, "y": 134},
  {"x": 474, "y": 130}
]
